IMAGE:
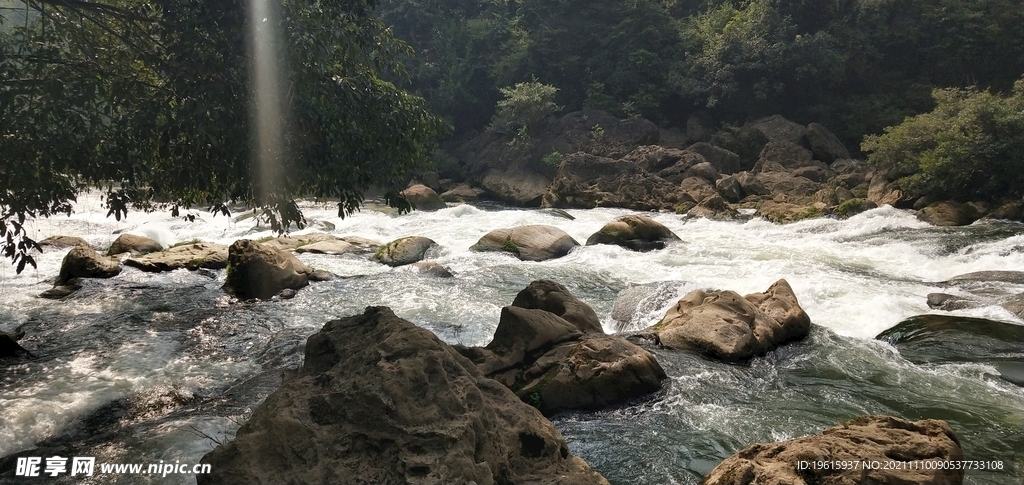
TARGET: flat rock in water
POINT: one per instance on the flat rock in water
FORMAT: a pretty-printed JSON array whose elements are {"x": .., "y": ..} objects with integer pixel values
[
  {"x": 1013, "y": 277},
  {"x": 329, "y": 246},
  {"x": 528, "y": 243},
  {"x": 192, "y": 256},
  {"x": 882, "y": 439},
  {"x": 928, "y": 339},
  {"x": 61, "y": 242},
  {"x": 380, "y": 400},
  {"x": 290, "y": 243},
  {"x": 136, "y": 245},
  {"x": 730, "y": 327}
]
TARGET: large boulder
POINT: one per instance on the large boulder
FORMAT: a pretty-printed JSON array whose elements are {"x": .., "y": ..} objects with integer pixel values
[
  {"x": 949, "y": 213},
  {"x": 549, "y": 363},
  {"x": 636, "y": 232},
  {"x": 261, "y": 271},
  {"x": 588, "y": 181},
  {"x": 83, "y": 262},
  {"x": 781, "y": 156},
  {"x": 403, "y": 251},
  {"x": 552, "y": 297},
  {"x": 192, "y": 256},
  {"x": 750, "y": 184},
  {"x": 790, "y": 186},
  {"x": 825, "y": 145},
  {"x": 724, "y": 161},
  {"x": 423, "y": 198},
  {"x": 778, "y": 128},
  {"x": 380, "y": 400},
  {"x": 528, "y": 243},
  {"x": 878, "y": 450},
  {"x": 727, "y": 326},
  {"x": 136, "y": 245}
]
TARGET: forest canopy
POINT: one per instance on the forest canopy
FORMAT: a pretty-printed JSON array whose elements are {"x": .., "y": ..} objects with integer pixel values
[{"x": 150, "y": 100}]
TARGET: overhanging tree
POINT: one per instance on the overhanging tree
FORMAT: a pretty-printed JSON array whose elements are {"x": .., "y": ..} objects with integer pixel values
[{"x": 150, "y": 100}]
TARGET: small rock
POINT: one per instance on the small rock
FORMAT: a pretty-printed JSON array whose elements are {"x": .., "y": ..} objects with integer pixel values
[
  {"x": 62, "y": 291},
  {"x": 321, "y": 275},
  {"x": 61, "y": 242},
  {"x": 432, "y": 268}
]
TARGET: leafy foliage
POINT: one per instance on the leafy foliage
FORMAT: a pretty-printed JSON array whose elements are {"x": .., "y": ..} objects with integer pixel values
[
  {"x": 970, "y": 147},
  {"x": 150, "y": 100},
  {"x": 524, "y": 106}
]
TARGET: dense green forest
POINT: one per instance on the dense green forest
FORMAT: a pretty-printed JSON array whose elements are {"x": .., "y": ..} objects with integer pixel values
[{"x": 856, "y": 66}]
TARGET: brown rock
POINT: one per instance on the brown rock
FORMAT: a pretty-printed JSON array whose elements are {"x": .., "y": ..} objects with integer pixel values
[
  {"x": 61, "y": 242},
  {"x": 588, "y": 181},
  {"x": 136, "y": 245},
  {"x": 789, "y": 185},
  {"x": 825, "y": 145},
  {"x": 261, "y": 271},
  {"x": 883, "y": 192},
  {"x": 328, "y": 246},
  {"x": 779, "y": 156},
  {"x": 724, "y": 161},
  {"x": 949, "y": 213},
  {"x": 891, "y": 442},
  {"x": 380, "y": 400},
  {"x": 785, "y": 212},
  {"x": 750, "y": 184},
  {"x": 636, "y": 232},
  {"x": 552, "y": 297},
  {"x": 291, "y": 243},
  {"x": 713, "y": 207},
  {"x": 730, "y": 188},
  {"x": 726, "y": 326},
  {"x": 192, "y": 256},
  {"x": 432, "y": 268},
  {"x": 685, "y": 168},
  {"x": 697, "y": 188},
  {"x": 423, "y": 198},
  {"x": 462, "y": 193},
  {"x": 403, "y": 251},
  {"x": 83, "y": 262},
  {"x": 528, "y": 243}
]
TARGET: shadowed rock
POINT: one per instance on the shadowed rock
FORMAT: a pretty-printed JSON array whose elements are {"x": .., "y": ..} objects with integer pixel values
[
  {"x": 884, "y": 439},
  {"x": 552, "y": 297},
  {"x": 380, "y": 400},
  {"x": 261, "y": 271}
]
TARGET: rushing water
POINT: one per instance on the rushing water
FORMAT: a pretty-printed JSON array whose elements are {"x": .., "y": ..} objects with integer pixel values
[{"x": 142, "y": 367}]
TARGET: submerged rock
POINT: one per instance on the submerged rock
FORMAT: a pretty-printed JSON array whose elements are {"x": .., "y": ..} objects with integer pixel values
[
  {"x": 1013, "y": 277},
  {"x": 886, "y": 440},
  {"x": 636, "y": 232},
  {"x": 9, "y": 346},
  {"x": 261, "y": 271},
  {"x": 380, "y": 400},
  {"x": 83, "y": 262},
  {"x": 727, "y": 326},
  {"x": 192, "y": 256},
  {"x": 528, "y": 243},
  {"x": 403, "y": 251},
  {"x": 136, "y": 245},
  {"x": 927, "y": 339},
  {"x": 432, "y": 268}
]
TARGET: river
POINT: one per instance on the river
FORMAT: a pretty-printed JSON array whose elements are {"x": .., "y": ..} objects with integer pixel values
[{"x": 142, "y": 367}]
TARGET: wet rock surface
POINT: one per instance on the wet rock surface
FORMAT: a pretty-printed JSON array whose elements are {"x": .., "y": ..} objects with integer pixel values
[
  {"x": 636, "y": 232},
  {"x": 261, "y": 271},
  {"x": 884, "y": 439},
  {"x": 528, "y": 243},
  {"x": 379, "y": 400}
]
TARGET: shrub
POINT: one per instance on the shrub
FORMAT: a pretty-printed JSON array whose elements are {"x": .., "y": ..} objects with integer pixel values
[
  {"x": 523, "y": 108},
  {"x": 970, "y": 147}
]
